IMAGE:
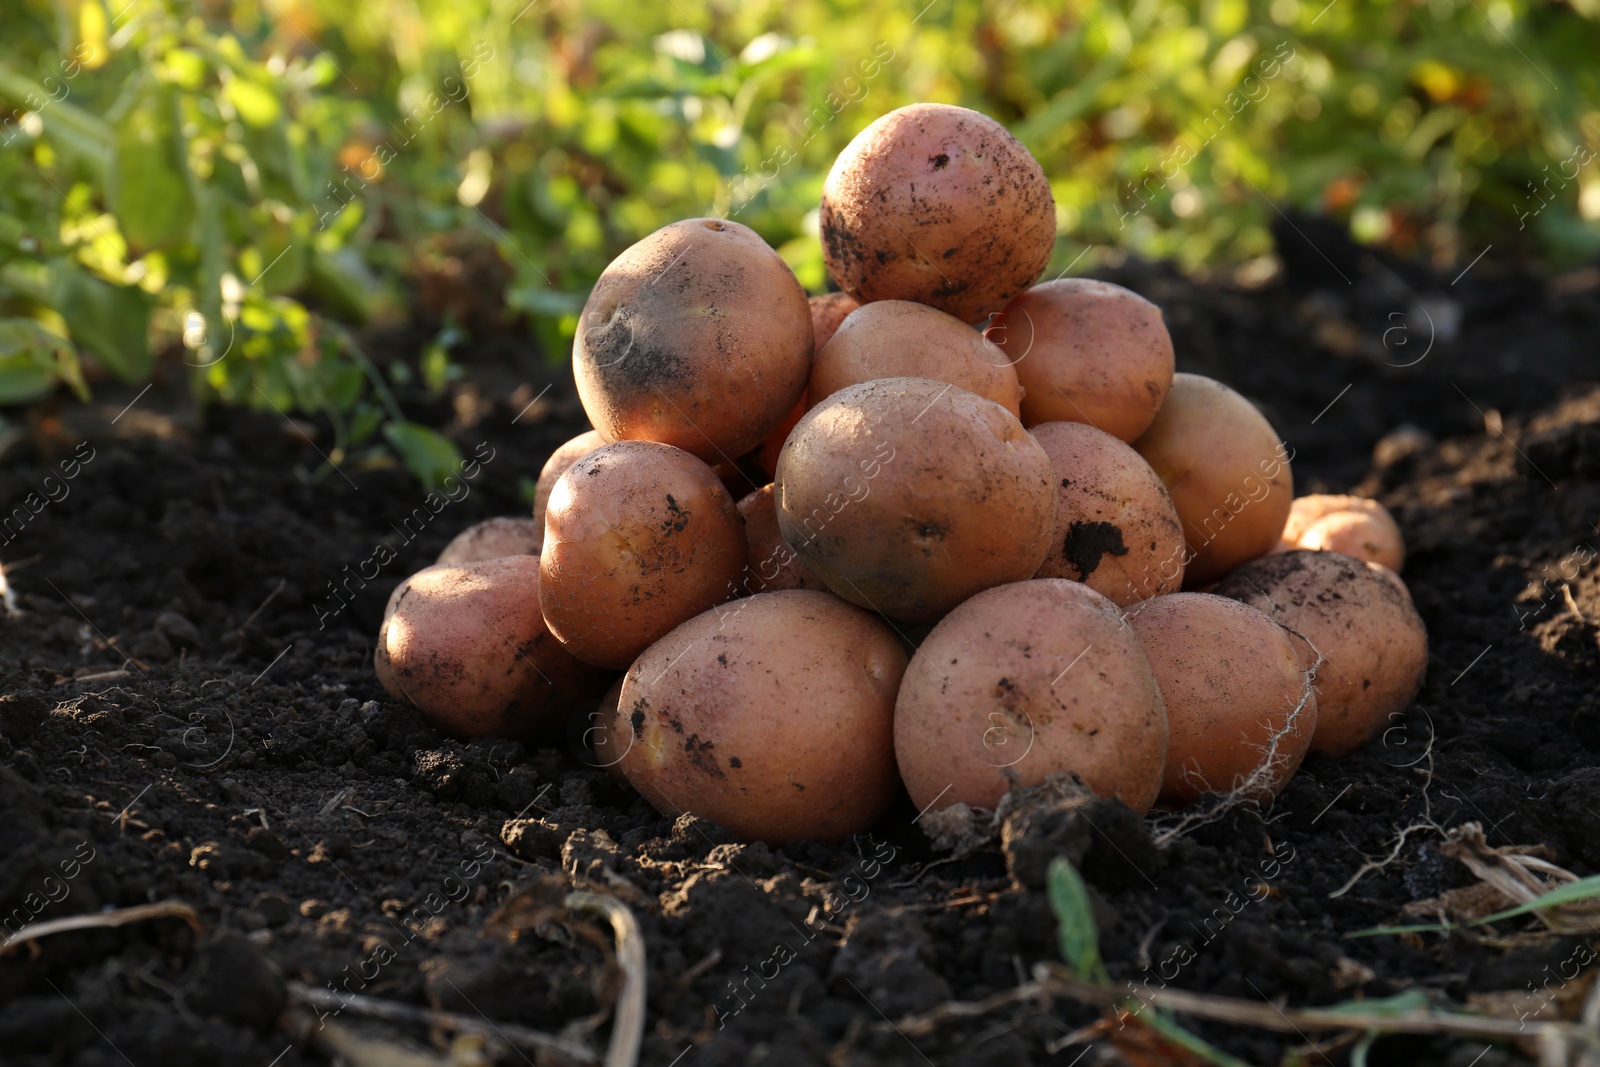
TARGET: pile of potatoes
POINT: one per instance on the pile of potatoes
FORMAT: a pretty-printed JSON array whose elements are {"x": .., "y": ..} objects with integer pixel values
[{"x": 999, "y": 538}]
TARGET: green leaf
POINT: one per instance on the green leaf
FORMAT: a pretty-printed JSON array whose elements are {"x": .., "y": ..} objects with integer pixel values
[
  {"x": 111, "y": 321},
  {"x": 1571, "y": 893},
  {"x": 428, "y": 454},
  {"x": 1080, "y": 942},
  {"x": 1193, "y": 1043},
  {"x": 26, "y": 345},
  {"x": 150, "y": 188}
]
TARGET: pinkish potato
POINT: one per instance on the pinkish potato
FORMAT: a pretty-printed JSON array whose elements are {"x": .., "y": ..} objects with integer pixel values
[
  {"x": 467, "y": 646},
  {"x": 493, "y": 538},
  {"x": 639, "y": 537},
  {"x": 1226, "y": 470},
  {"x": 937, "y": 204},
  {"x": 895, "y": 338},
  {"x": 1087, "y": 351},
  {"x": 772, "y": 564},
  {"x": 1241, "y": 711},
  {"x": 907, "y": 495},
  {"x": 1374, "y": 643},
  {"x": 1352, "y": 525},
  {"x": 556, "y": 466},
  {"x": 1028, "y": 680},
  {"x": 698, "y": 336},
  {"x": 1117, "y": 530},
  {"x": 772, "y": 716}
]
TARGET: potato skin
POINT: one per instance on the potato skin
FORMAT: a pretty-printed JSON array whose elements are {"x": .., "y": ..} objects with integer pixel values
[
  {"x": 772, "y": 564},
  {"x": 698, "y": 336},
  {"x": 907, "y": 495},
  {"x": 1227, "y": 472},
  {"x": 1353, "y": 525},
  {"x": 772, "y": 716},
  {"x": 639, "y": 537},
  {"x": 1375, "y": 644},
  {"x": 1087, "y": 351},
  {"x": 1033, "y": 678},
  {"x": 1117, "y": 530},
  {"x": 940, "y": 205},
  {"x": 493, "y": 538},
  {"x": 554, "y": 467},
  {"x": 465, "y": 645},
  {"x": 895, "y": 338},
  {"x": 1231, "y": 679}
]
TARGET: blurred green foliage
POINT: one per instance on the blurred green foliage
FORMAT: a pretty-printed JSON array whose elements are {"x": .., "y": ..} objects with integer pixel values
[{"x": 233, "y": 183}]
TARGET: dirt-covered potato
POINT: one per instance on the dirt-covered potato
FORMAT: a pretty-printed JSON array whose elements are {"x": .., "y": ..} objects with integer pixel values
[
  {"x": 698, "y": 336},
  {"x": 1087, "y": 351},
  {"x": 1241, "y": 710},
  {"x": 639, "y": 537},
  {"x": 772, "y": 716},
  {"x": 466, "y": 645},
  {"x": 898, "y": 338},
  {"x": 1352, "y": 525},
  {"x": 1117, "y": 530},
  {"x": 937, "y": 204},
  {"x": 1227, "y": 472},
  {"x": 493, "y": 538},
  {"x": 1374, "y": 643},
  {"x": 827, "y": 312},
  {"x": 907, "y": 495},
  {"x": 556, "y": 466},
  {"x": 772, "y": 564},
  {"x": 1033, "y": 678}
]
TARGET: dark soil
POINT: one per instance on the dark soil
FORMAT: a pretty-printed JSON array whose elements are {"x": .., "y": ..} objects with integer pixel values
[{"x": 175, "y": 725}]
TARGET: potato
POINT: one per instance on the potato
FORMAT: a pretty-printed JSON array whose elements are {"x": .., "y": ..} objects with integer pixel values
[
  {"x": 1117, "y": 530},
  {"x": 1226, "y": 470},
  {"x": 639, "y": 537},
  {"x": 1371, "y": 536},
  {"x": 1033, "y": 678},
  {"x": 907, "y": 495},
  {"x": 772, "y": 716},
  {"x": 894, "y": 338},
  {"x": 772, "y": 564},
  {"x": 698, "y": 336},
  {"x": 493, "y": 538},
  {"x": 1087, "y": 351},
  {"x": 1374, "y": 643},
  {"x": 827, "y": 312},
  {"x": 940, "y": 205},
  {"x": 465, "y": 645},
  {"x": 556, "y": 466},
  {"x": 1241, "y": 711},
  {"x": 1352, "y": 525}
]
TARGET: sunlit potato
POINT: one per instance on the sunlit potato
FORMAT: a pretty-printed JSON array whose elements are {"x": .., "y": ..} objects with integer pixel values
[
  {"x": 907, "y": 495},
  {"x": 1241, "y": 710},
  {"x": 899, "y": 338},
  {"x": 937, "y": 204},
  {"x": 1117, "y": 530},
  {"x": 1087, "y": 351},
  {"x": 554, "y": 467},
  {"x": 1024, "y": 681},
  {"x": 1226, "y": 470},
  {"x": 698, "y": 336},
  {"x": 639, "y": 537},
  {"x": 467, "y": 646},
  {"x": 772, "y": 716},
  {"x": 1374, "y": 642}
]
